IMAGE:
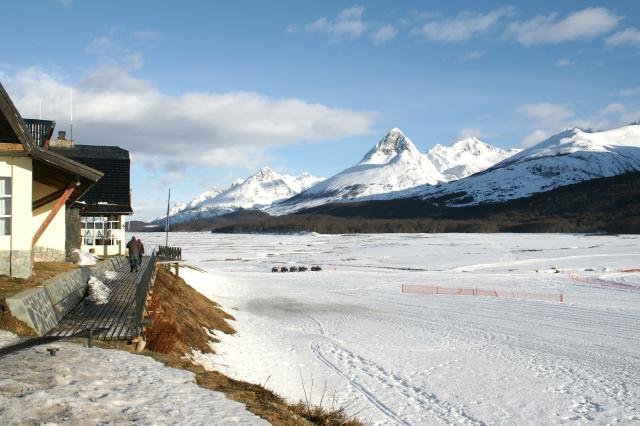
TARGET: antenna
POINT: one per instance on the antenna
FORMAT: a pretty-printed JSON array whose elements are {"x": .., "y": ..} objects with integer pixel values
[
  {"x": 40, "y": 111},
  {"x": 71, "y": 113}
]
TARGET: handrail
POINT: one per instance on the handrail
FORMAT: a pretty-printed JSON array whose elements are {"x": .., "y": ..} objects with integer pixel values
[{"x": 143, "y": 290}]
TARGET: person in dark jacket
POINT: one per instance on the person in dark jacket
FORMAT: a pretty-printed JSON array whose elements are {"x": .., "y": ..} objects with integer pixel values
[
  {"x": 141, "y": 247},
  {"x": 134, "y": 253}
]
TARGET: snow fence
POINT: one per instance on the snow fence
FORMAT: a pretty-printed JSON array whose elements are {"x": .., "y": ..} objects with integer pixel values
[
  {"x": 598, "y": 282},
  {"x": 468, "y": 291}
]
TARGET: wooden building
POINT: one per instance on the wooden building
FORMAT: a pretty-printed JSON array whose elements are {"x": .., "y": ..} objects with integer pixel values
[{"x": 103, "y": 209}]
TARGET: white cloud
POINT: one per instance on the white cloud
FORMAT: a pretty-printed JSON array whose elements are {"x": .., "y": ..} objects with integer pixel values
[
  {"x": 231, "y": 128},
  {"x": 291, "y": 29},
  {"x": 384, "y": 34},
  {"x": 630, "y": 36},
  {"x": 354, "y": 12},
  {"x": 563, "y": 62},
  {"x": 584, "y": 24},
  {"x": 465, "y": 25},
  {"x": 473, "y": 55},
  {"x": 347, "y": 25},
  {"x": 471, "y": 133},
  {"x": 146, "y": 37},
  {"x": 546, "y": 113},
  {"x": 613, "y": 108},
  {"x": 628, "y": 92},
  {"x": 547, "y": 119},
  {"x": 110, "y": 51},
  {"x": 534, "y": 138}
]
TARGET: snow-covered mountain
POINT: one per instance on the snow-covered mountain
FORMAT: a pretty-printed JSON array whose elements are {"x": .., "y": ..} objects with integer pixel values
[
  {"x": 569, "y": 157},
  {"x": 394, "y": 163},
  {"x": 201, "y": 198},
  {"x": 257, "y": 191},
  {"x": 466, "y": 157}
]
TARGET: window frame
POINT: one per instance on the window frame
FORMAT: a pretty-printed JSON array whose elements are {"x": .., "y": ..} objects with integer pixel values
[{"x": 6, "y": 230}]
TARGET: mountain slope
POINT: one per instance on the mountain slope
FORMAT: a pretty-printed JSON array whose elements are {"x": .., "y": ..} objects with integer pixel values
[
  {"x": 257, "y": 191},
  {"x": 466, "y": 157},
  {"x": 609, "y": 204},
  {"x": 569, "y": 157},
  {"x": 394, "y": 163}
]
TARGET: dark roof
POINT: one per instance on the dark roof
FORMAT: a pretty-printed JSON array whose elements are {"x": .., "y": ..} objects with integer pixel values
[
  {"x": 80, "y": 152},
  {"x": 113, "y": 188},
  {"x": 48, "y": 166}
]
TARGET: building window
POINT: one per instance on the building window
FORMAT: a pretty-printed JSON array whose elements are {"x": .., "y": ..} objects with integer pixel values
[
  {"x": 100, "y": 230},
  {"x": 5, "y": 206}
]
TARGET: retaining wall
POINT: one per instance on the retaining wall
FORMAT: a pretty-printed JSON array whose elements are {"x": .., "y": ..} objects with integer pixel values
[{"x": 43, "y": 307}]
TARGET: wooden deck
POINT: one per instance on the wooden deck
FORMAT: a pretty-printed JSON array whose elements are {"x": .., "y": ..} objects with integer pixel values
[{"x": 114, "y": 320}]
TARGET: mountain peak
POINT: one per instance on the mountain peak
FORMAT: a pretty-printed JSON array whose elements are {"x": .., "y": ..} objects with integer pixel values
[
  {"x": 264, "y": 174},
  {"x": 391, "y": 145},
  {"x": 466, "y": 157}
]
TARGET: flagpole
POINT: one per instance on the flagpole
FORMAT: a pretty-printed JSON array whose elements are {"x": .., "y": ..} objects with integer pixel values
[{"x": 166, "y": 228}]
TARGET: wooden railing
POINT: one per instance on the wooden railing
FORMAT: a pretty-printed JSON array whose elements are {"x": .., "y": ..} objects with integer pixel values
[
  {"x": 143, "y": 291},
  {"x": 169, "y": 253}
]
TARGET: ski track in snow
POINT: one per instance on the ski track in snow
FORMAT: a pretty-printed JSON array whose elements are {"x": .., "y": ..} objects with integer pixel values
[
  {"x": 415, "y": 359},
  {"x": 349, "y": 366}
]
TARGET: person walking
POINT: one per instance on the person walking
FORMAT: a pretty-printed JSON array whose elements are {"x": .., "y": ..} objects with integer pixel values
[
  {"x": 134, "y": 253},
  {"x": 141, "y": 247}
]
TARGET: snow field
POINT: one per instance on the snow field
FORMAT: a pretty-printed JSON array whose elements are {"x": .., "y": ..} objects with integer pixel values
[
  {"x": 83, "y": 385},
  {"x": 417, "y": 359}
]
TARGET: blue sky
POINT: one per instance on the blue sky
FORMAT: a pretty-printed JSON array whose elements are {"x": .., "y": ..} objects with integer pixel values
[{"x": 204, "y": 92}]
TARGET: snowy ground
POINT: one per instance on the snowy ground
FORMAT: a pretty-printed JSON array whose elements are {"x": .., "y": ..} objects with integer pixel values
[
  {"x": 419, "y": 359},
  {"x": 83, "y": 385}
]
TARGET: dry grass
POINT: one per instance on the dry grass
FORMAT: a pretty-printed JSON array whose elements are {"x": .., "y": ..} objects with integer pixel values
[
  {"x": 9, "y": 286},
  {"x": 180, "y": 315},
  {"x": 42, "y": 271}
]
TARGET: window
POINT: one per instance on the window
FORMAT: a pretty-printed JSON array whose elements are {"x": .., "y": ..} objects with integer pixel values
[
  {"x": 5, "y": 206},
  {"x": 100, "y": 230}
]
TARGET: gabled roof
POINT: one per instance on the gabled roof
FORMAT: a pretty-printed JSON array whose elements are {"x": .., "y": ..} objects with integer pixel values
[{"x": 49, "y": 167}]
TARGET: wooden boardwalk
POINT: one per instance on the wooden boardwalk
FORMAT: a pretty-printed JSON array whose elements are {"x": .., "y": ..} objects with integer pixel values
[{"x": 114, "y": 320}]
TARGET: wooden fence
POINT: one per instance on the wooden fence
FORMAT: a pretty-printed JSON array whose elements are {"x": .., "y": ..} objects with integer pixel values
[
  {"x": 142, "y": 291},
  {"x": 169, "y": 253}
]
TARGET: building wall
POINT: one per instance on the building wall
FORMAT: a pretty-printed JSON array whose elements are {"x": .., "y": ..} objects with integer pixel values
[
  {"x": 113, "y": 249},
  {"x": 50, "y": 247},
  {"x": 15, "y": 249}
]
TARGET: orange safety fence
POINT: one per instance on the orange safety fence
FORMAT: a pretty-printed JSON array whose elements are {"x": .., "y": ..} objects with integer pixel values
[
  {"x": 467, "y": 291},
  {"x": 603, "y": 283}
]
